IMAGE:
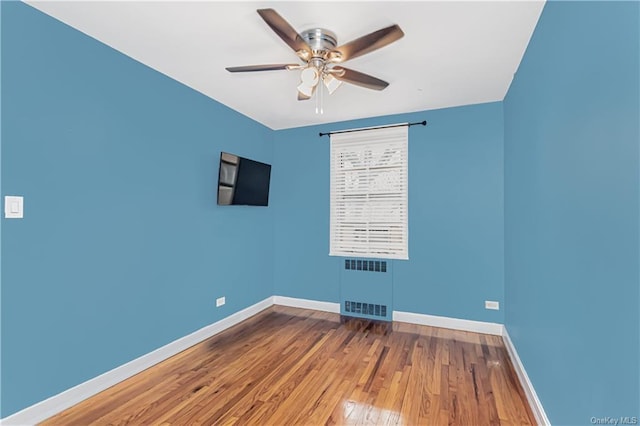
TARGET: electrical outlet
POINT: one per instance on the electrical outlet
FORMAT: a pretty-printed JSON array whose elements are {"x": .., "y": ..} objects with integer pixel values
[
  {"x": 220, "y": 301},
  {"x": 490, "y": 304}
]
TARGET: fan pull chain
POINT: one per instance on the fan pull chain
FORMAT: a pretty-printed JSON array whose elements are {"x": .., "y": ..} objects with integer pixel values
[{"x": 319, "y": 109}]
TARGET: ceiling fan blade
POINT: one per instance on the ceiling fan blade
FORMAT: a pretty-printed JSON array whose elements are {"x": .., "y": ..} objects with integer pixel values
[
  {"x": 358, "y": 78},
  {"x": 270, "y": 67},
  {"x": 286, "y": 32},
  {"x": 366, "y": 44}
]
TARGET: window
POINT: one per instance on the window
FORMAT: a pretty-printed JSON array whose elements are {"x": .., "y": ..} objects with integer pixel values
[{"x": 369, "y": 195}]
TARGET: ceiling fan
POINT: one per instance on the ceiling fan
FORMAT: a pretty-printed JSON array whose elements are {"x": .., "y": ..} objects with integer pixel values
[{"x": 317, "y": 48}]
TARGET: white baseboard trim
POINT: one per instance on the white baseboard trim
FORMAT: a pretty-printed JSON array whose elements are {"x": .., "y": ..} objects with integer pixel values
[
  {"x": 486, "y": 328},
  {"x": 447, "y": 322},
  {"x": 60, "y": 402},
  {"x": 57, "y": 403},
  {"x": 532, "y": 397},
  {"x": 307, "y": 304}
]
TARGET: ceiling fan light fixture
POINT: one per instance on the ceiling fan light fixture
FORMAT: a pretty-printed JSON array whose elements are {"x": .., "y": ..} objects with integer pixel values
[
  {"x": 331, "y": 83},
  {"x": 309, "y": 76},
  {"x": 307, "y": 91}
]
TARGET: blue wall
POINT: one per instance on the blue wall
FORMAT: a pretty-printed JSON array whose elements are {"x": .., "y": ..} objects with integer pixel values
[
  {"x": 1, "y": 209},
  {"x": 122, "y": 248},
  {"x": 455, "y": 214},
  {"x": 571, "y": 210}
]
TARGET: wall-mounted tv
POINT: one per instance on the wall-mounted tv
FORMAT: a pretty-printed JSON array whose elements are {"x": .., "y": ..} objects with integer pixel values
[{"x": 242, "y": 181}]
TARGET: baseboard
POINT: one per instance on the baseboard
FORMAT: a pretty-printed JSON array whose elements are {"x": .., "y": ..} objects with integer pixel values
[
  {"x": 307, "y": 304},
  {"x": 532, "y": 397},
  {"x": 447, "y": 322},
  {"x": 60, "y": 402}
]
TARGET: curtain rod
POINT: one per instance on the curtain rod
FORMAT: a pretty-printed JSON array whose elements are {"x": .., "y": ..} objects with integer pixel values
[{"x": 424, "y": 123}]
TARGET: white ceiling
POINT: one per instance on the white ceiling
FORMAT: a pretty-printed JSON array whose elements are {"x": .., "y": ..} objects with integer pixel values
[{"x": 453, "y": 53}]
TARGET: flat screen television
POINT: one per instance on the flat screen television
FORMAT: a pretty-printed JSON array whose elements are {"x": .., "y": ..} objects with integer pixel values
[{"x": 242, "y": 181}]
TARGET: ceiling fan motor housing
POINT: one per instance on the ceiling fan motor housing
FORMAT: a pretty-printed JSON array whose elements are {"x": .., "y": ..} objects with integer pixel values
[{"x": 320, "y": 39}]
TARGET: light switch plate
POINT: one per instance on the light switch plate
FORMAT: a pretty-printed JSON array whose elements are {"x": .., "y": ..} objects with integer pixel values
[{"x": 13, "y": 207}]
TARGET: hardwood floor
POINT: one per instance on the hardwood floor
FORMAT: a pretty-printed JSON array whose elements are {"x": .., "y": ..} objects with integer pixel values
[{"x": 290, "y": 366}]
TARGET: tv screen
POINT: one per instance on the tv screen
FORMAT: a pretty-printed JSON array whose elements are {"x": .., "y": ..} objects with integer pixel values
[{"x": 242, "y": 181}]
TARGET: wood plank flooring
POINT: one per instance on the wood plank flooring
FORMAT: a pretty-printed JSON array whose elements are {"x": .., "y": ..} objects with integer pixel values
[{"x": 288, "y": 366}]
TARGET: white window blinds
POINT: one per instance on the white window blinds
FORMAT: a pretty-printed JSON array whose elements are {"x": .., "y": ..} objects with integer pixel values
[{"x": 369, "y": 193}]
